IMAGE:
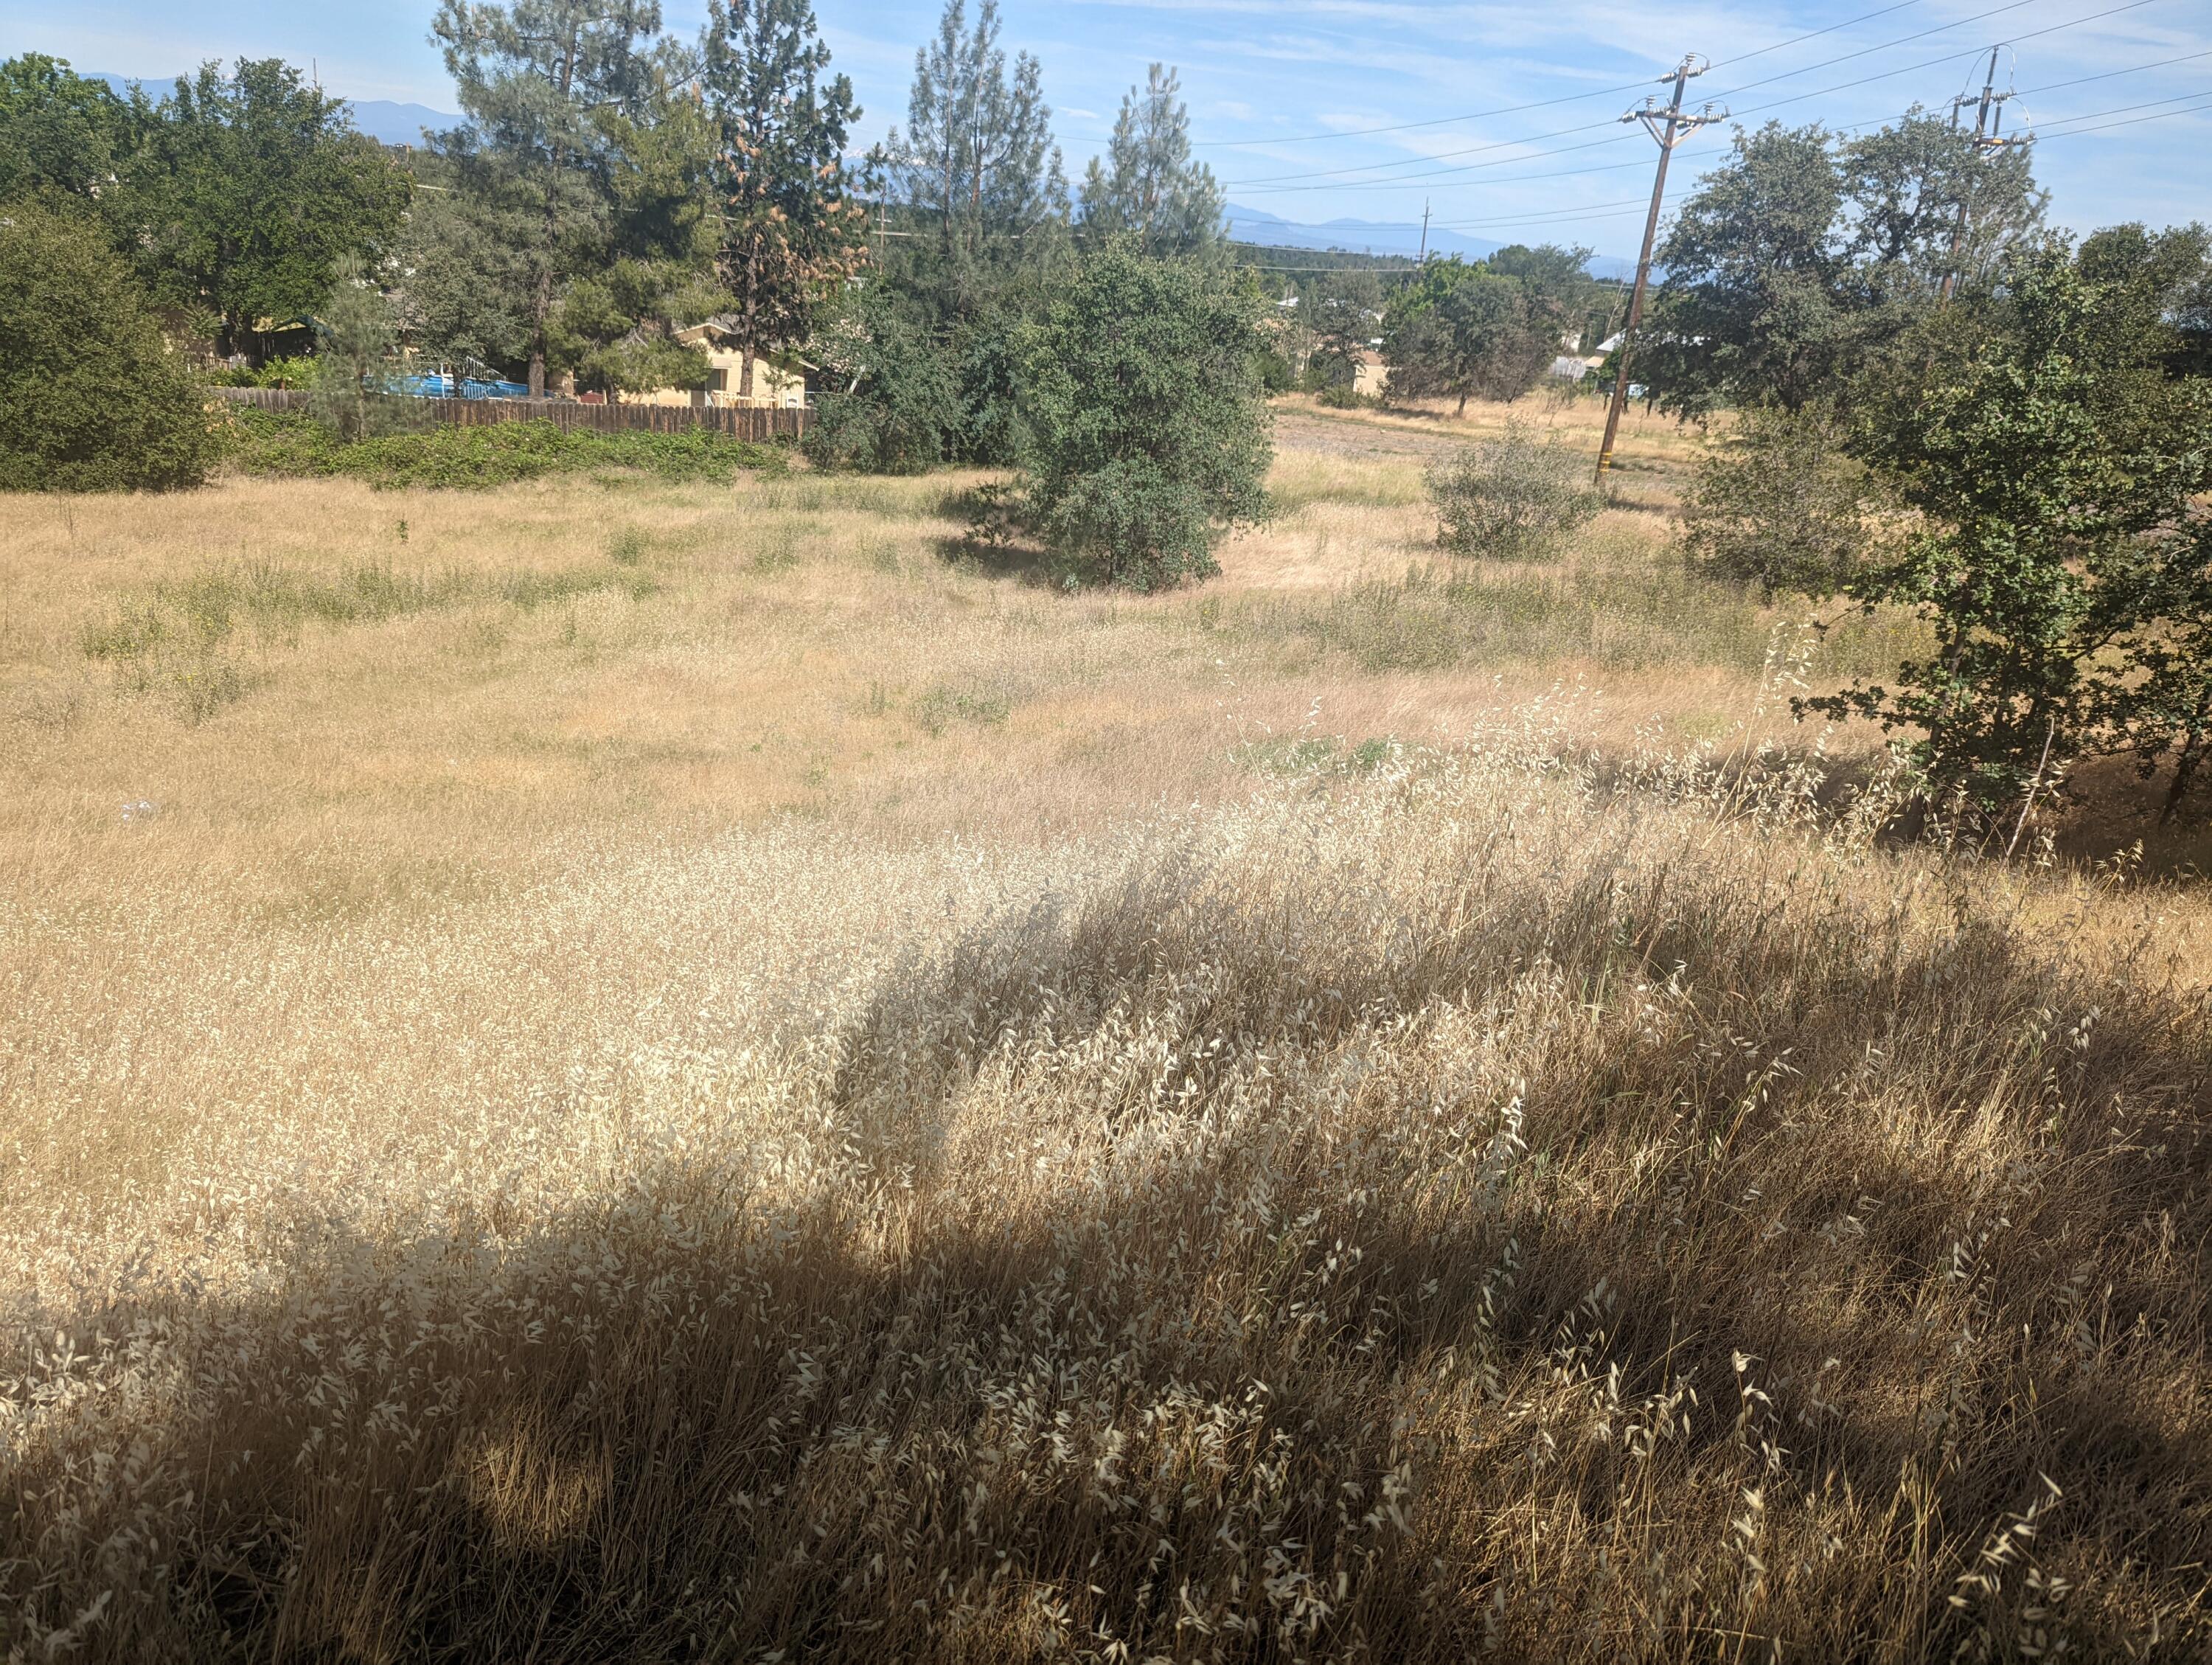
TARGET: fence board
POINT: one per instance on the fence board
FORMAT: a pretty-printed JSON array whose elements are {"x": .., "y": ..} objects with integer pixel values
[{"x": 741, "y": 422}]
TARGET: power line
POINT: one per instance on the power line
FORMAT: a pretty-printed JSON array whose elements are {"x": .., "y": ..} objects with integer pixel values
[
  {"x": 1272, "y": 188},
  {"x": 2038, "y": 135},
  {"x": 1541, "y": 104},
  {"x": 2067, "y": 122},
  {"x": 1274, "y": 184}
]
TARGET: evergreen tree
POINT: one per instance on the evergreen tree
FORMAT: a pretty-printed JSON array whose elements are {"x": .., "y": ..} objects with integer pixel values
[
  {"x": 790, "y": 231},
  {"x": 546, "y": 85},
  {"x": 91, "y": 397},
  {"x": 1148, "y": 187},
  {"x": 976, "y": 166},
  {"x": 356, "y": 333}
]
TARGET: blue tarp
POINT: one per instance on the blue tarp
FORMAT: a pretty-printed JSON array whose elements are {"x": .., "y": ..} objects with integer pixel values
[{"x": 434, "y": 385}]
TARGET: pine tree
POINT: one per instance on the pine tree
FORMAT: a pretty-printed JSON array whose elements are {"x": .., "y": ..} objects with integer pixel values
[
  {"x": 1151, "y": 189},
  {"x": 545, "y": 84},
  {"x": 790, "y": 232},
  {"x": 976, "y": 161}
]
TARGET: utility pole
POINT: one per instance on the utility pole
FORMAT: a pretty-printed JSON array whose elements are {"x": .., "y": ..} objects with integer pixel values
[
  {"x": 1669, "y": 127},
  {"x": 1424, "y": 230},
  {"x": 1986, "y": 139}
]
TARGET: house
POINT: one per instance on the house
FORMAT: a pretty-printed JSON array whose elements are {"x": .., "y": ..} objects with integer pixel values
[
  {"x": 779, "y": 379},
  {"x": 1371, "y": 376}
]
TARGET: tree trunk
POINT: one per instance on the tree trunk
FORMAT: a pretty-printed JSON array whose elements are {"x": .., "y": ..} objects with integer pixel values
[
  {"x": 1461, "y": 411},
  {"x": 2186, "y": 763}
]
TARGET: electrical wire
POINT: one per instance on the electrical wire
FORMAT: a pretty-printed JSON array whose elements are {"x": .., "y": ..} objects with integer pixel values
[
  {"x": 1401, "y": 180},
  {"x": 1540, "y": 104},
  {"x": 1272, "y": 184}
]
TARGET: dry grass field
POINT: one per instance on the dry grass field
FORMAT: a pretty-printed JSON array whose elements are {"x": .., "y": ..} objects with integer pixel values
[{"x": 609, "y": 1070}]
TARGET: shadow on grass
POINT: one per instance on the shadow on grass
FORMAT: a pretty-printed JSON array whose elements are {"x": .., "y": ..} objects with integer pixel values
[{"x": 1279, "y": 1267}]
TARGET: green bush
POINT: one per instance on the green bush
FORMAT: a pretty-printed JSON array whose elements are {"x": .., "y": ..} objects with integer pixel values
[
  {"x": 901, "y": 407},
  {"x": 1342, "y": 396},
  {"x": 290, "y": 445},
  {"x": 272, "y": 372},
  {"x": 91, "y": 398},
  {"x": 1779, "y": 504},
  {"x": 1514, "y": 498},
  {"x": 1148, "y": 422}
]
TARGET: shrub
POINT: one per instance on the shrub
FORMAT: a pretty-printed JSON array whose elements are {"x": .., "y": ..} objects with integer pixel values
[
  {"x": 91, "y": 398},
  {"x": 1513, "y": 497},
  {"x": 1779, "y": 504},
  {"x": 901, "y": 409},
  {"x": 290, "y": 445},
  {"x": 1342, "y": 396},
  {"x": 1149, "y": 423}
]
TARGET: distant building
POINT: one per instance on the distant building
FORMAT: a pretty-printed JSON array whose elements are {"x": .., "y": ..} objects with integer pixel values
[
  {"x": 1371, "y": 376},
  {"x": 779, "y": 379}
]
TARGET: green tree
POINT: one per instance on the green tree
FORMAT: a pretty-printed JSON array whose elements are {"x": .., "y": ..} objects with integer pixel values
[
  {"x": 1752, "y": 308},
  {"x": 1149, "y": 425},
  {"x": 2058, "y": 470},
  {"x": 616, "y": 331},
  {"x": 91, "y": 397},
  {"x": 463, "y": 289},
  {"x": 975, "y": 169},
  {"x": 791, "y": 232},
  {"x": 247, "y": 189},
  {"x": 1469, "y": 331},
  {"x": 1804, "y": 260},
  {"x": 1146, "y": 185},
  {"x": 1779, "y": 501},
  {"x": 1343, "y": 310},
  {"x": 895, "y": 403},
  {"x": 63, "y": 135},
  {"x": 548, "y": 86},
  {"x": 356, "y": 336}
]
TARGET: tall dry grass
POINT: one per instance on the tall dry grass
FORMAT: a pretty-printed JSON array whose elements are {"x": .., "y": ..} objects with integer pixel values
[
  {"x": 666, "y": 1074},
  {"x": 1501, "y": 1206}
]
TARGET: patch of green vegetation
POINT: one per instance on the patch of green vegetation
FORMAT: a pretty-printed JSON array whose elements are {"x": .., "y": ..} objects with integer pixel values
[
  {"x": 289, "y": 445},
  {"x": 1631, "y": 617},
  {"x": 943, "y": 705},
  {"x": 176, "y": 639},
  {"x": 1288, "y": 755}
]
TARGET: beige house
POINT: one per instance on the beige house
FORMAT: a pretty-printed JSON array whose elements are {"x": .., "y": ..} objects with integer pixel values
[
  {"x": 1371, "y": 376},
  {"x": 779, "y": 383}
]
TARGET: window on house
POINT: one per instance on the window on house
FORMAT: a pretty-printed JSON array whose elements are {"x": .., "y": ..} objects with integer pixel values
[{"x": 717, "y": 381}]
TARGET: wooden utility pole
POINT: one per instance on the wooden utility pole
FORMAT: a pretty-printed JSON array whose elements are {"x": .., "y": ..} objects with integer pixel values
[
  {"x": 1424, "y": 230},
  {"x": 1988, "y": 105},
  {"x": 1669, "y": 127}
]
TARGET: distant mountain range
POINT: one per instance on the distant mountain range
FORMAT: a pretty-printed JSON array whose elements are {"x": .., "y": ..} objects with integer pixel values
[
  {"x": 1255, "y": 225},
  {"x": 403, "y": 123},
  {"x": 382, "y": 120}
]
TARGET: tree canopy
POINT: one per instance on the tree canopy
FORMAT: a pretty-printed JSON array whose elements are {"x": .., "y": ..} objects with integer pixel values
[{"x": 245, "y": 191}]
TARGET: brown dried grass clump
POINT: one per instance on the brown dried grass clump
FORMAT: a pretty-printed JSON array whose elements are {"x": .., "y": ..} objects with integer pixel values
[{"x": 1489, "y": 1205}]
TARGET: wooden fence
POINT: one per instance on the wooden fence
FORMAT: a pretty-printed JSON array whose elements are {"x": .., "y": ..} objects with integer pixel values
[{"x": 745, "y": 422}]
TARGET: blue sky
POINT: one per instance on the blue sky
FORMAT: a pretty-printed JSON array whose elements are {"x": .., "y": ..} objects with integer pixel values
[{"x": 1280, "y": 90}]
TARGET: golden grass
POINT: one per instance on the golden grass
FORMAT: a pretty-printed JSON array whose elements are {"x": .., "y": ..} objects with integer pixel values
[{"x": 679, "y": 1073}]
